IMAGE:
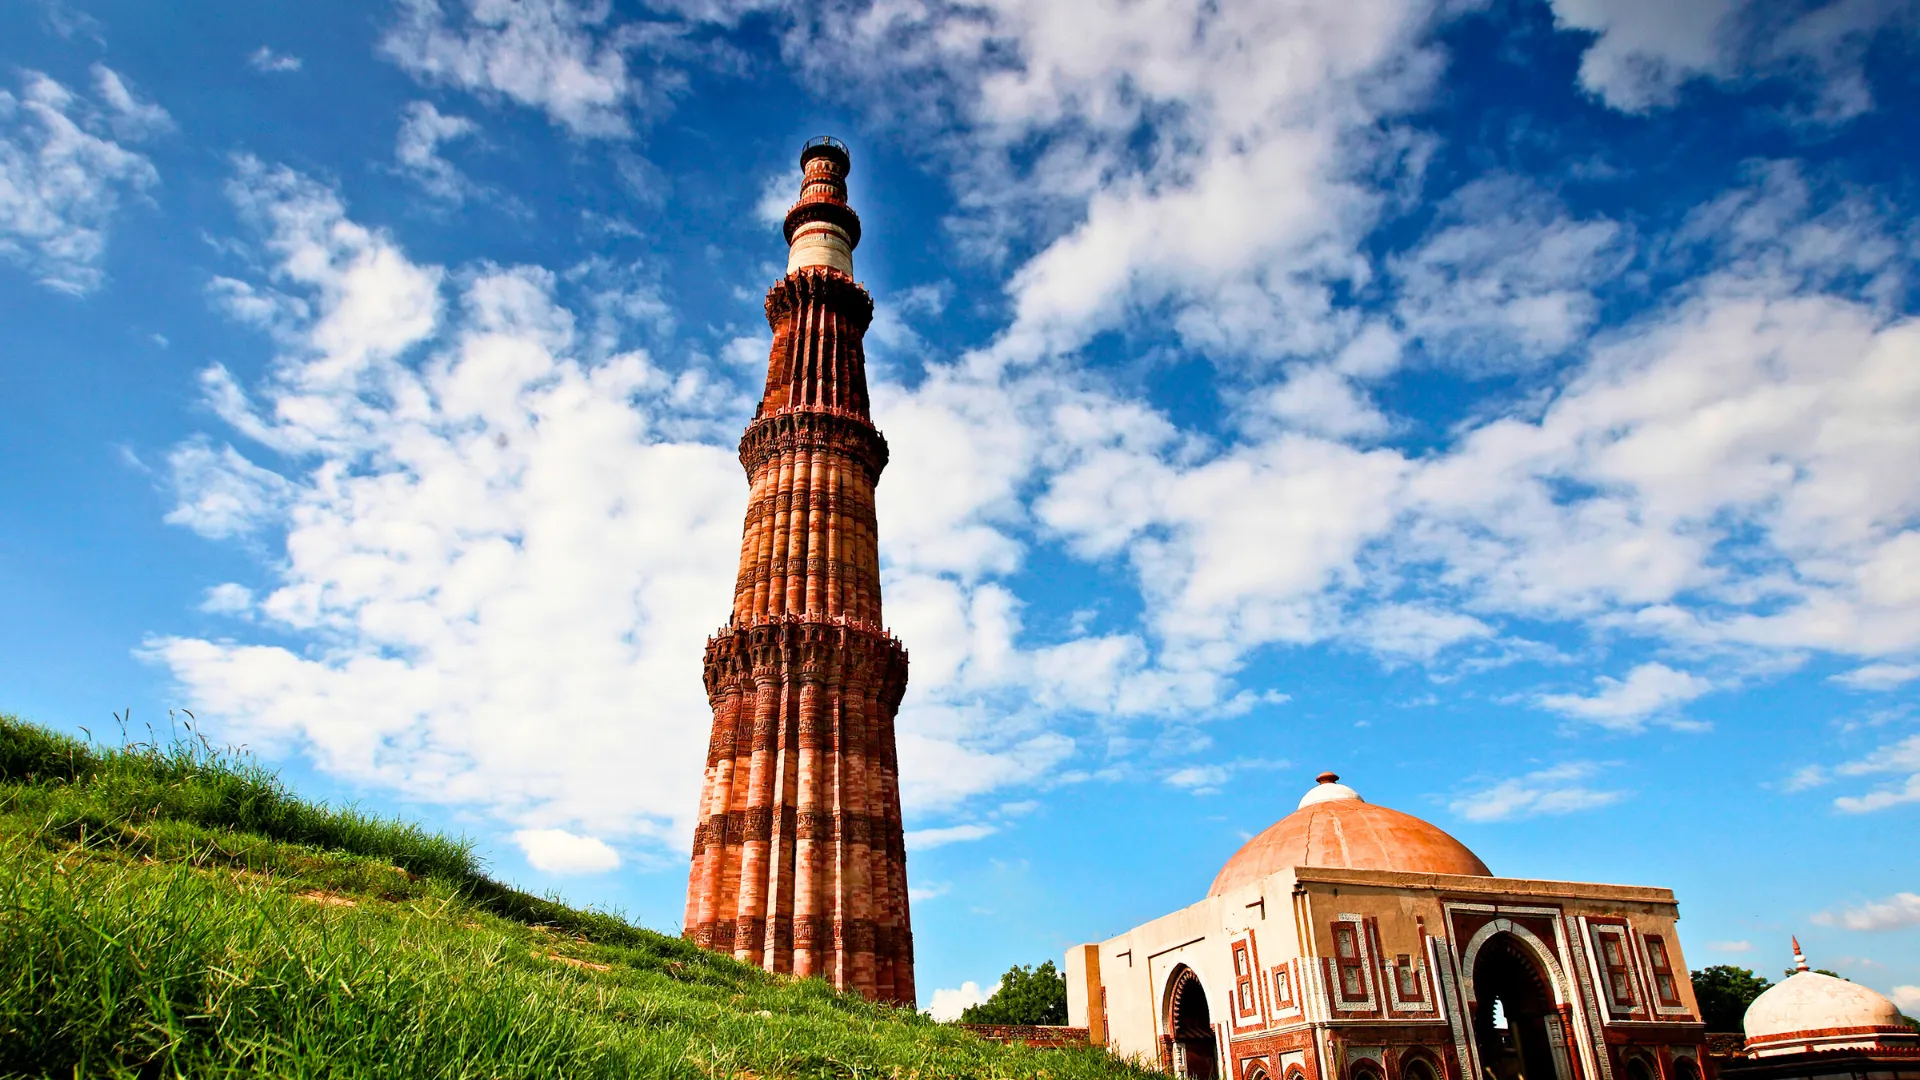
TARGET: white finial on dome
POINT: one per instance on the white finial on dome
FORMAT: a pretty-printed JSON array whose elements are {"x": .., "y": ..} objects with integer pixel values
[
  {"x": 1799, "y": 958},
  {"x": 1328, "y": 789}
]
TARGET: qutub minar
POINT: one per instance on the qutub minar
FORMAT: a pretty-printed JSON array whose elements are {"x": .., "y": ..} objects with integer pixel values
[{"x": 799, "y": 863}]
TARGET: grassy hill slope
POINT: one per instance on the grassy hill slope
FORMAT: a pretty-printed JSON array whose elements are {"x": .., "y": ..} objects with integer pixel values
[{"x": 174, "y": 910}]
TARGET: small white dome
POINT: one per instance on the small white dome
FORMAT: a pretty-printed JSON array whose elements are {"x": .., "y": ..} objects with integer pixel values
[
  {"x": 1327, "y": 790},
  {"x": 1809, "y": 1011}
]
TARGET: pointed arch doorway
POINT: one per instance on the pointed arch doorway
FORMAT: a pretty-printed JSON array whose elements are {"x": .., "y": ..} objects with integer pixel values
[
  {"x": 1190, "y": 1027},
  {"x": 1517, "y": 1027}
]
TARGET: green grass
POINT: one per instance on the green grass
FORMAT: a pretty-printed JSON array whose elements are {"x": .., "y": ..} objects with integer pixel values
[{"x": 172, "y": 910}]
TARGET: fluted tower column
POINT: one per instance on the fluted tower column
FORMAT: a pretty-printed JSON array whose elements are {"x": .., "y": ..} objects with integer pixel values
[{"x": 798, "y": 859}]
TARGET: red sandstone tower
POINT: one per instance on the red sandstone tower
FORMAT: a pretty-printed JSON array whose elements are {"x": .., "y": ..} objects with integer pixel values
[{"x": 798, "y": 859}]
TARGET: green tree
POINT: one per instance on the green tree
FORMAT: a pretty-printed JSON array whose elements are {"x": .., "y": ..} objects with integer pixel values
[
  {"x": 1026, "y": 996},
  {"x": 1725, "y": 992}
]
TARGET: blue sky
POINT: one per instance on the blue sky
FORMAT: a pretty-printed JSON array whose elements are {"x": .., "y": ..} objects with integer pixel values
[{"x": 1512, "y": 406}]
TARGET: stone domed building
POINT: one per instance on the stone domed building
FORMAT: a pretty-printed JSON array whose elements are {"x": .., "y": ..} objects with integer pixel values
[
  {"x": 1814, "y": 1027},
  {"x": 1354, "y": 942}
]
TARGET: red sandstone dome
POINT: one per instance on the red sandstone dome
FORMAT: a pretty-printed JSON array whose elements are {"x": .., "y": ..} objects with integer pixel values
[{"x": 1335, "y": 827}]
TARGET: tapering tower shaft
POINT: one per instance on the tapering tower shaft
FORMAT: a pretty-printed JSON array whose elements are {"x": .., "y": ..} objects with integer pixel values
[{"x": 799, "y": 863}]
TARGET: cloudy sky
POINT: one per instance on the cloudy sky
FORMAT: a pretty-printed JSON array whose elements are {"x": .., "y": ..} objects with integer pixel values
[{"x": 1513, "y": 406}]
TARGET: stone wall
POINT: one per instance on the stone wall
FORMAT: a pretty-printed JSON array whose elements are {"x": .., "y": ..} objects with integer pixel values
[{"x": 1044, "y": 1036}]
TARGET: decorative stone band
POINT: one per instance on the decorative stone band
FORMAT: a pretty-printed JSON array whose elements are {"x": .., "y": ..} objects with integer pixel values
[
  {"x": 880, "y": 832},
  {"x": 857, "y": 576},
  {"x": 1824, "y": 1034},
  {"x": 828, "y": 209},
  {"x": 826, "y": 286},
  {"x": 808, "y": 429},
  {"x": 846, "y": 499},
  {"x": 814, "y": 619},
  {"x": 830, "y": 650},
  {"x": 813, "y": 566}
]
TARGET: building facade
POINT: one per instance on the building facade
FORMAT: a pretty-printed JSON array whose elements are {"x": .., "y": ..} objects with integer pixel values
[
  {"x": 799, "y": 863},
  {"x": 1354, "y": 942}
]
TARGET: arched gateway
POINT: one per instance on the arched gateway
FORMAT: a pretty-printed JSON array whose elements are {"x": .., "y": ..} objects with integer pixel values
[
  {"x": 1189, "y": 1027},
  {"x": 1516, "y": 1022}
]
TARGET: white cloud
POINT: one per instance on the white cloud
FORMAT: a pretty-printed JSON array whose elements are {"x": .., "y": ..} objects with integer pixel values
[
  {"x": 499, "y": 541},
  {"x": 228, "y": 598},
  {"x": 928, "y": 839},
  {"x": 1907, "y": 997},
  {"x": 63, "y": 19},
  {"x": 1805, "y": 777},
  {"x": 984, "y": 708},
  {"x": 1656, "y": 494},
  {"x": 1896, "y": 758},
  {"x": 558, "y": 851},
  {"x": 264, "y": 59},
  {"x": 423, "y": 129},
  {"x": 1879, "y": 676},
  {"x": 928, "y": 890},
  {"x": 1417, "y": 632},
  {"x": 1896, "y": 912},
  {"x": 366, "y": 305},
  {"x": 1898, "y": 794},
  {"x": 499, "y": 560},
  {"x": 1659, "y": 492},
  {"x": 947, "y": 1004},
  {"x": 554, "y": 55},
  {"x": 1219, "y": 548},
  {"x": 1781, "y": 232},
  {"x": 1681, "y": 482},
  {"x": 959, "y": 454},
  {"x": 1208, "y": 779},
  {"x": 63, "y": 175},
  {"x": 1686, "y": 480},
  {"x": 219, "y": 493},
  {"x": 949, "y": 754},
  {"x": 1646, "y": 51},
  {"x": 1199, "y": 779},
  {"x": 1730, "y": 946},
  {"x": 1506, "y": 278},
  {"x": 1316, "y": 398},
  {"x": 1649, "y": 690},
  {"x": 1558, "y": 790},
  {"x": 1699, "y": 478},
  {"x": 1607, "y": 503},
  {"x": 1234, "y": 219},
  {"x": 127, "y": 116},
  {"x": 777, "y": 193},
  {"x": 496, "y": 547},
  {"x": 627, "y": 297}
]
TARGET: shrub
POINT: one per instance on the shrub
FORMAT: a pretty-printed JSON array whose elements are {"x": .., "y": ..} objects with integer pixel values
[
  {"x": 1025, "y": 996},
  {"x": 1725, "y": 992}
]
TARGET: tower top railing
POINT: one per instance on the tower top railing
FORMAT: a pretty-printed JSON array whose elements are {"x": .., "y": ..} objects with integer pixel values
[{"x": 827, "y": 145}]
